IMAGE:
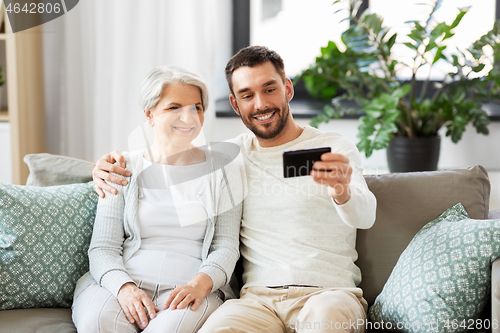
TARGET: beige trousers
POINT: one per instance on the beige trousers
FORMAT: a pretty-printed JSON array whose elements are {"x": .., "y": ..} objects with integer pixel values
[{"x": 290, "y": 309}]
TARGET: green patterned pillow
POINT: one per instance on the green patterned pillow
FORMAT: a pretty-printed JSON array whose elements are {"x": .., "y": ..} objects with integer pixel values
[
  {"x": 442, "y": 279},
  {"x": 44, "y": 237}
]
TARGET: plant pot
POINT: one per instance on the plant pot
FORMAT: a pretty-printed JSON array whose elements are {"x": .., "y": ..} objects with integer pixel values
[{"x": 413, "y": 154}]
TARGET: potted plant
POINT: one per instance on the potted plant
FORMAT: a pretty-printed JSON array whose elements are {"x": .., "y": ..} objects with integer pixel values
[{"x": 397, "y": 112}]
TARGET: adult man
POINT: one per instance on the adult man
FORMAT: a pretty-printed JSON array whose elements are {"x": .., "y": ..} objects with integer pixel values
[{"x": 297, "y": 236}]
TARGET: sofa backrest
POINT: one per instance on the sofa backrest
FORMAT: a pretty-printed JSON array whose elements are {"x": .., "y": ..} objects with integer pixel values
[{"x": 405, "y": 203}]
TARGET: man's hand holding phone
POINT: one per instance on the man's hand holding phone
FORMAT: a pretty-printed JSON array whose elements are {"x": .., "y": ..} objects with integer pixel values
[
  {"x": 325, "y": 167},
  {"x": 334, "y": 170}
]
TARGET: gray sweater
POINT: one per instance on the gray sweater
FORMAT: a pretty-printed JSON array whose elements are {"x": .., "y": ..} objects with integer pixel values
[{"x": 116, "y": 234}]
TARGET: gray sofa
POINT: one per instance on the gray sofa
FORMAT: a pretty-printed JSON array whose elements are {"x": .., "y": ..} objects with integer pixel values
[{"x": 406, "y": 202}]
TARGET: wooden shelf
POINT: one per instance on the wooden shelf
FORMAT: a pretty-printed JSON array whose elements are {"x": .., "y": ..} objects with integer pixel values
[{"x": 24, "y": 81}]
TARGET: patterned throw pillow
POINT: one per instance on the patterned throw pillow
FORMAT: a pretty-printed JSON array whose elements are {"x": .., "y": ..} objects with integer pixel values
[
  {"x": 44, "y": 237},
  {"x": 442, "y": 279}
]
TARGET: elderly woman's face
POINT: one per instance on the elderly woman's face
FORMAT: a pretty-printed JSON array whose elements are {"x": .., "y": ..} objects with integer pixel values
[{"x": 179, "y": 113}]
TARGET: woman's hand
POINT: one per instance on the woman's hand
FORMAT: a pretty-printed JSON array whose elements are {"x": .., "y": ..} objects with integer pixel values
[
  {"x": 193, "y": 292},
  {"x": 102, "y": 170},
  {"x": 133, "y": 301}
]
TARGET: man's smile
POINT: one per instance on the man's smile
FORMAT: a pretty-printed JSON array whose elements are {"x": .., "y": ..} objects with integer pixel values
[{"x": 265, "y": 118}]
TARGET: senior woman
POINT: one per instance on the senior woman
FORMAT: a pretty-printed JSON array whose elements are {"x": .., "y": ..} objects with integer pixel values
[{"x": 162, "y": 253}]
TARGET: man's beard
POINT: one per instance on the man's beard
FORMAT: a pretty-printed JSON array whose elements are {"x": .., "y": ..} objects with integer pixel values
[{"x": 279, "y": 123}]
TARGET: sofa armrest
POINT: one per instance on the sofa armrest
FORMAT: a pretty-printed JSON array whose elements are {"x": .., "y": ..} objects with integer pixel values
[
  {"x": 495, "y": 296},
  {"x": 494, "y": 214}
]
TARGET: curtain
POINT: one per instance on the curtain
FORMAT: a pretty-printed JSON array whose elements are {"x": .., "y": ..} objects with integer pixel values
[{"x": 96, "y": 56}]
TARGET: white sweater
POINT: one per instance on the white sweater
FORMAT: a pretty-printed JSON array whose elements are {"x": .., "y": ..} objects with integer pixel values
[{"x": 292, "y": 232}]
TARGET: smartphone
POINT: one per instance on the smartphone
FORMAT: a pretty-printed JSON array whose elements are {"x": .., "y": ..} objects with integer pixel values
[{"x": 298, "y": 163}]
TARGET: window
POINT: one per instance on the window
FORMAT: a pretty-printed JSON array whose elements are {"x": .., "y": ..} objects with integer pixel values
[
  {"x": 478, "y": 20},
  {"x": 297, "y": 29}
]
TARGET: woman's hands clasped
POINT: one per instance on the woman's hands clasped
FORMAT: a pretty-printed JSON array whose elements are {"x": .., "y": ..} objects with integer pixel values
[{"x": 133, "y": 301}]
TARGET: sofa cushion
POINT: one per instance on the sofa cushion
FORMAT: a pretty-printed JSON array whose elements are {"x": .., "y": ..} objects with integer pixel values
[
  {"x": 44, "y": 237},
  {"x": 442, "y": 279},
  {"x": 37, "y": 320},
  {"x": 50, "y": 170},
  {"x": 405, "y": 203}
]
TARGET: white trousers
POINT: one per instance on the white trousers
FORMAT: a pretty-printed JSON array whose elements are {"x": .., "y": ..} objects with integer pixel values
[{"x": 96, "y": 310}]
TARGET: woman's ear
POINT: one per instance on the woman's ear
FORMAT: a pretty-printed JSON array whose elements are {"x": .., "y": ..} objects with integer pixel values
[{"x": 147, "y": 113}]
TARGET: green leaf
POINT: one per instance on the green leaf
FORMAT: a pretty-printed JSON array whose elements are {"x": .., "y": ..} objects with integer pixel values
[
  {"x": 384, "y": 135},
  {"x": 432, "y": 44},
  {"x": 459, "y": 17},
  {"x": 425, "y": 105},
  {"x": 373, "y": 113},
  {"x": 439, "y": 54},
  {"x": 366, "y": 126},
  {"x": 448, "y": 35},
  {"x": 392, "y": 40},
  {"x": 416, "y": 38},
  {"x": 390, "y": 101},
  {"x": 329, "y": 111},
  {"x": 328, "y": 92},
  {"x": 328, "y": 48},
  {"x": 478, "y": 68},
  {"x": 373, "y": 21},
  {"x": 439, "y": 30},
  {"x": 411, "y": 46},
  {"x": 321, "y": 118},
  {"x": 419, "y": 27},
  {"x": 375, "y": 109},
  {"x": 406, "y": 89},
  {"x": 393, "y": 99},
  {"x": 365, "y": 145}
]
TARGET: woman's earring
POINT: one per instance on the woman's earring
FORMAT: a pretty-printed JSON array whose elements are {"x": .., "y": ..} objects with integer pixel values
[{"x": 151, "y": 122}]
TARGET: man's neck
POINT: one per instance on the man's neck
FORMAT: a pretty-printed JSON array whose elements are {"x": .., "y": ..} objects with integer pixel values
[{"x": 291, "y": 132}]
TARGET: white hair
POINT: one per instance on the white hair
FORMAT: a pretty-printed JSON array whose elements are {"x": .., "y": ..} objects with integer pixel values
[{"x": 157, "y": 80}]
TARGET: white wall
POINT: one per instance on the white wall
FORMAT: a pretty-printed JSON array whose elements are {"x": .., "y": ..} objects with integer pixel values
[
  {"x": 5, "y": 153},
  {"x": 95, "y": 58},
  {"x": 472, "y": 149}
]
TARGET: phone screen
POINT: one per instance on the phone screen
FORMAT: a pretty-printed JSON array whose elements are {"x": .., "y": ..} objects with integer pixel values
[{"x": 298, "y": 163}]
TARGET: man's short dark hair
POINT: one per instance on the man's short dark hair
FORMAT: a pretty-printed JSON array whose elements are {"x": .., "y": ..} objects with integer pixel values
[{"x": 252, "y": 56}]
